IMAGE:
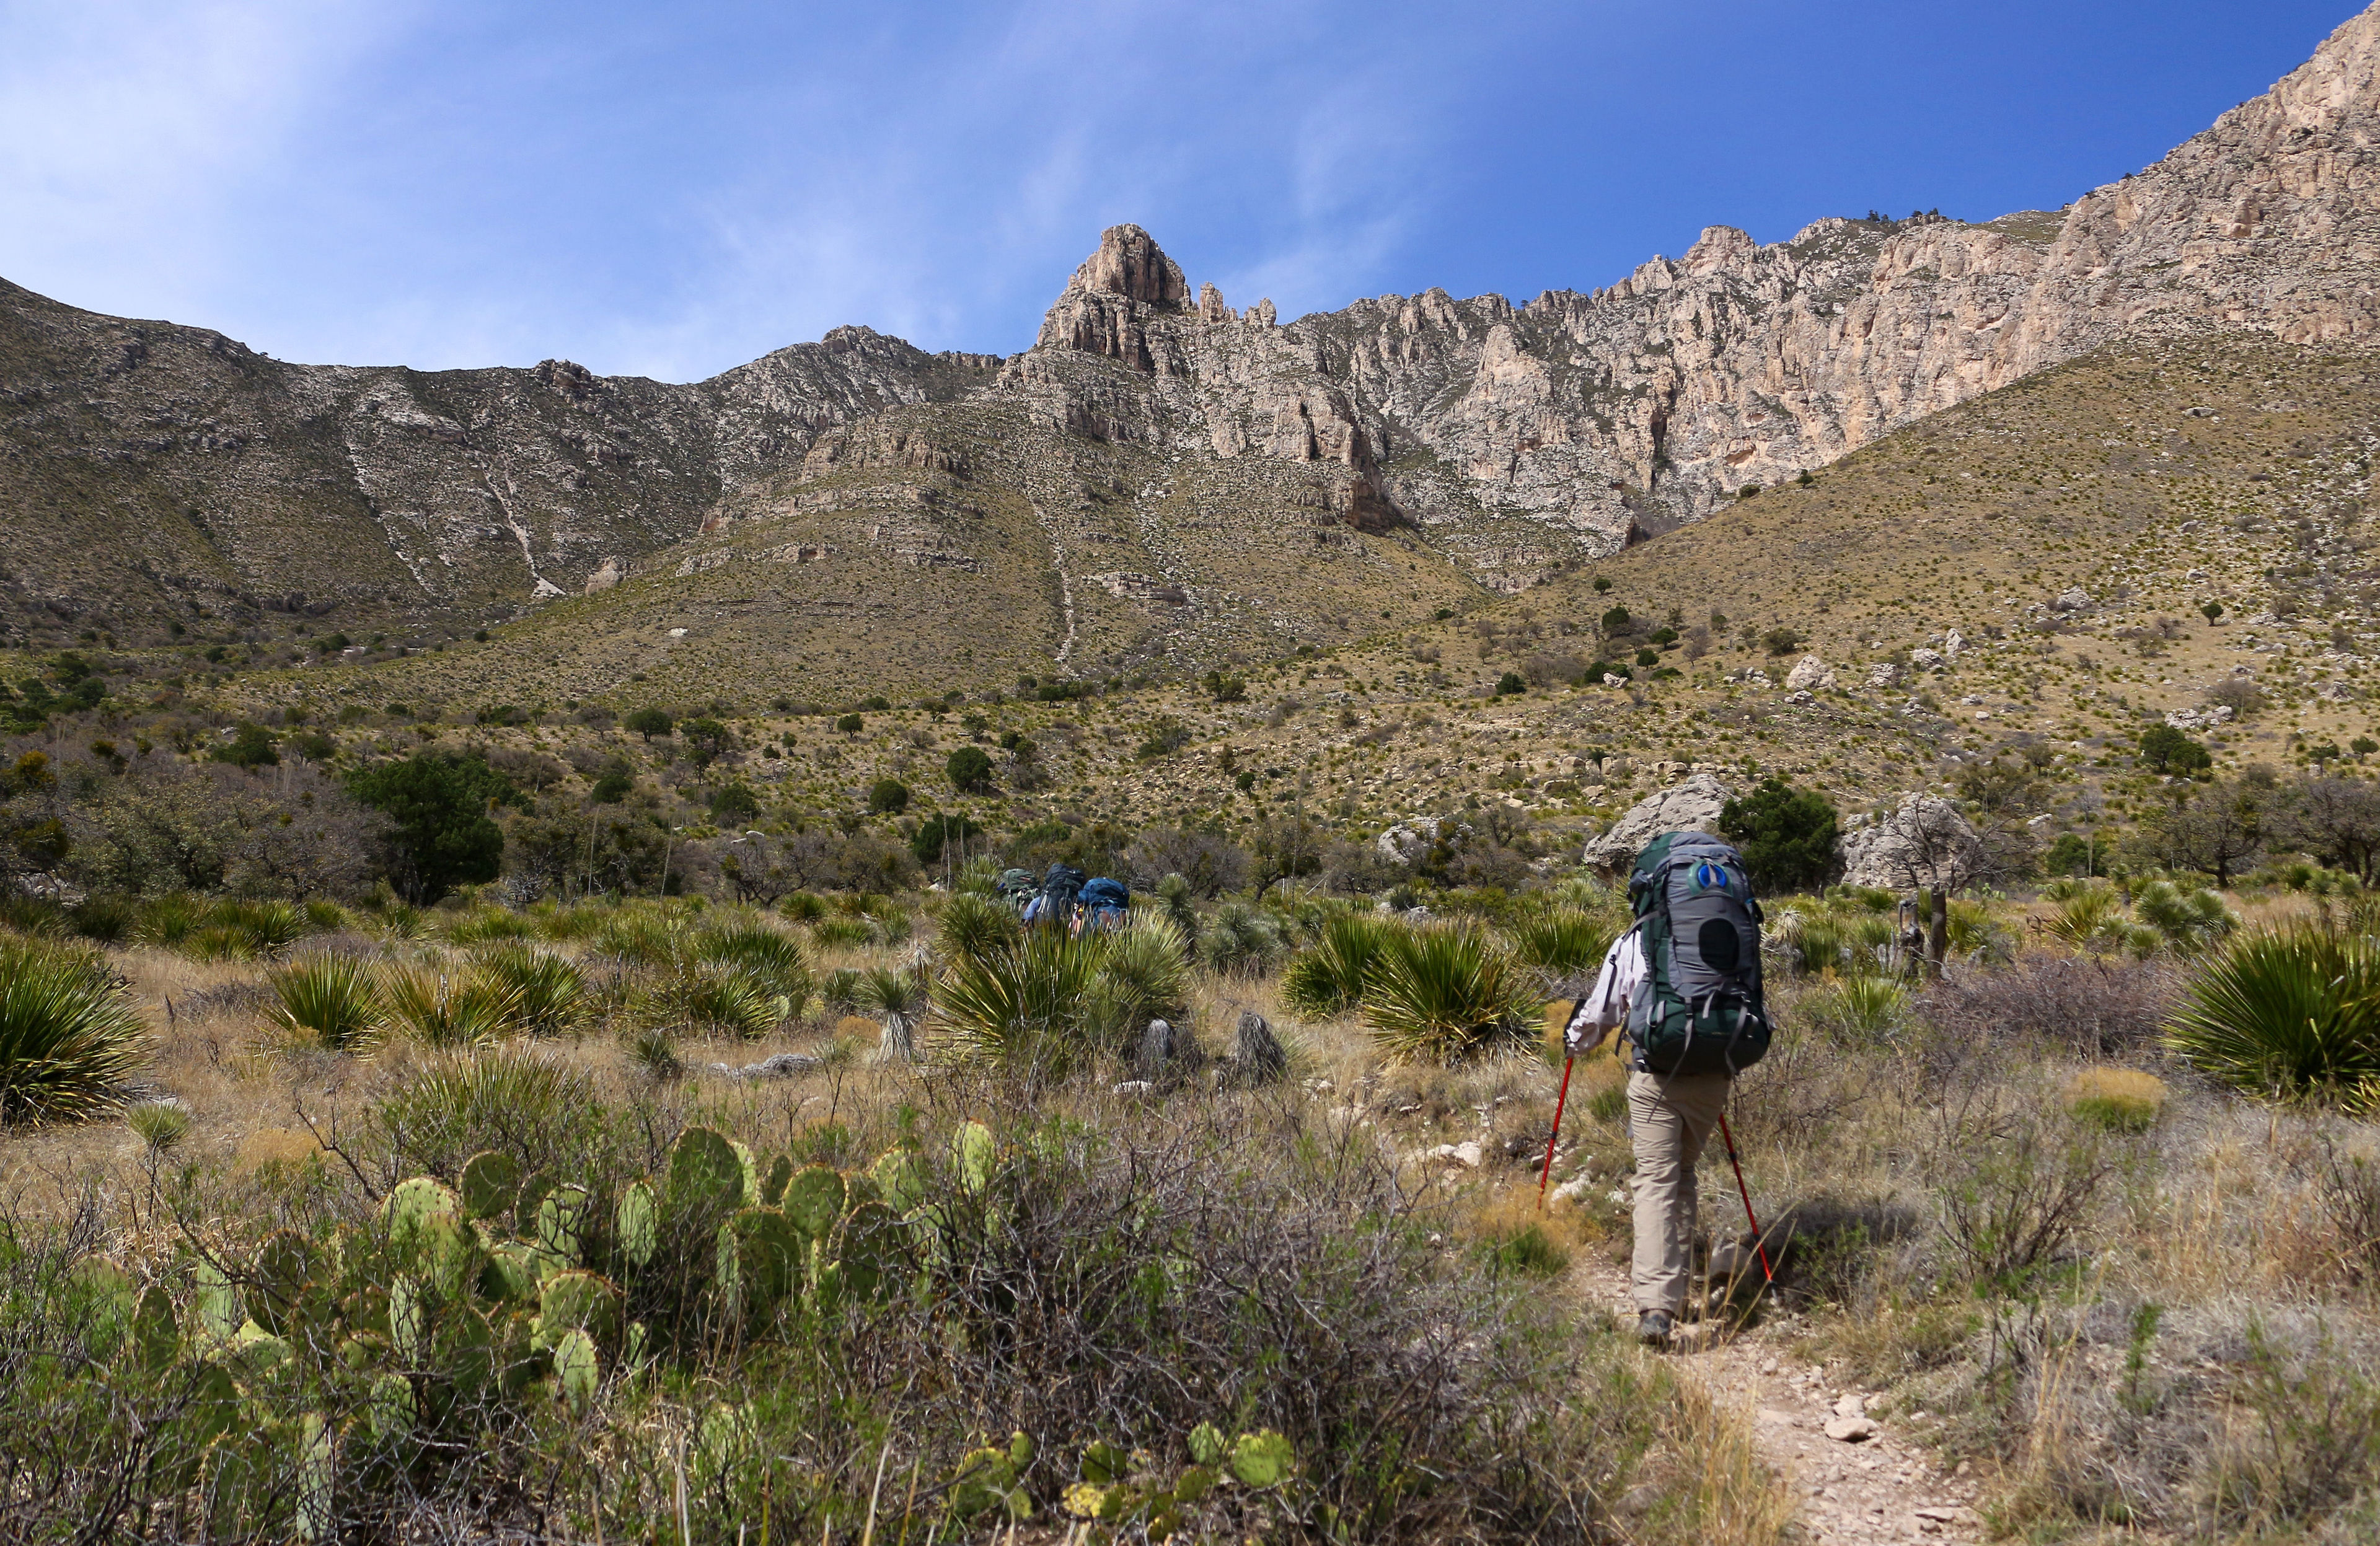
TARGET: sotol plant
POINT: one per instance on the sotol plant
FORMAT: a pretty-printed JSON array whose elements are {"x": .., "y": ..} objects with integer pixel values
[
  {"x": 2290, "y": 1012},
  {"x": 1329, "y": 978},
  {"x": 1447, "y": 995},
  {"x": 331, "y": 1000},
  {"x": 68, "y": 1037}
]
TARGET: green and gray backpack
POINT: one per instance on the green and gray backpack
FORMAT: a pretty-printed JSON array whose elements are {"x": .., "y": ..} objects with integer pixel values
[{"x": 1701, "y": 1009}]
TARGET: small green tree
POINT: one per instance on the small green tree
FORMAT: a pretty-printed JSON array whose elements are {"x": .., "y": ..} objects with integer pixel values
[
  {"x": 1787, "y": 835},
  {"x": 1226, "y": 688},
  {"x": 2213, "y": 610},
  {"x": 440, "y": 835},
  {"x": 1602, "y": 584},
  {"x": 2166, "y": 750},
  {"x": 733, "y": 804},
  {"x": 1782, "y": 641},
  {"x": 706, "y": 740},
  {"x": 970, "y": 770},
  {"x": 851, "y": 724},
  {"x": 1510, "y": 683},
  {"x": 251, "y": 746},
  {"x": 937, "y": 831},
  {"x": 888, "y": 797},
  {"x": 650, "y": 723},
  {"x": 614, "y": 784}
]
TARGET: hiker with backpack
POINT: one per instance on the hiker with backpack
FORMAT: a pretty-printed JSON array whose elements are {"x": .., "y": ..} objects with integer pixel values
[
  {"x": 1054, "y": 906},
  {"x": 1683, "y": 982}
]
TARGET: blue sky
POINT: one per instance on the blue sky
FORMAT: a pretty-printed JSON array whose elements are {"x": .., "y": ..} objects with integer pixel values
[{"x": 671, "y": 190}]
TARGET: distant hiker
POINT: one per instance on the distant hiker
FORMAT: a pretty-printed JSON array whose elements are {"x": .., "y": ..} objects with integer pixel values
[
  {"x": 1684, "y": 981},
  {"x": 1105, "y": 905},
  {"x": 1017, "y": 888}
]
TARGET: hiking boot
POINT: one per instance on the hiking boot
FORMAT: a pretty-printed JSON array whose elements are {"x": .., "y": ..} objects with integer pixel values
[{"x": 1653, "y": 1328}]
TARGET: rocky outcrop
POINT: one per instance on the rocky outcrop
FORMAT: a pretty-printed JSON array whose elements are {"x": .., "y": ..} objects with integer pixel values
[
  {"x": 1924, "y": 840},
  {"x": 1690, "y": 805}
]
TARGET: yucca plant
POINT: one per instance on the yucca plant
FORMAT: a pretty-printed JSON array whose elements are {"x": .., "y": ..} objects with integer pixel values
[
  {"x": 1021, "y": 1008},
  {"x": 1562, "y": 939},
  {"x": 483, "y": 924},
  {"x": 2188, "y": 920},
  {"x": 268, "y": 925},
  {"x": 549, "y": 992},
  {"x": 329, "y": 999},
  {"x": 1241, "y": 941},
  {"x": 2089, "y": 918},
  {"x": 838, "y": 931},
  {"x": 715, "y": 1001},
  {"x": 972, "y": 926},
  {"x": 654, "y": 1051},
  {"x": 68, "y": 1037},
  {"x": 160, "y": 1125},
  {"x": 2291, "y": 1012},
  {"x": 640, "y": 936},
  {"x": 1328, "y": 979},
  {"x": 772, "y": 958},
  {"x": 1142, "y": 973},
  {"x": 1447, "y": 995},
  {"x": 897, "y": 999},
  {"x": 438, "y": 1010},
  {"x": 1862, "y": 1008},
  {"x": 169, "y": 919}
]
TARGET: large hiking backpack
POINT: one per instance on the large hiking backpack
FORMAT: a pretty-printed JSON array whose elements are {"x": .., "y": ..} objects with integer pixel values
[
  {"x": 1016, "y": 888},
  {"x": 1055, "y": 904},
  {"x": 1701, "y": 1009},
  {"x": 1105, "y": 904}
]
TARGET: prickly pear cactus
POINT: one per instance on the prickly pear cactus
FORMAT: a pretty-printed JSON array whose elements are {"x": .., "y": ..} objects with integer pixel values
[
  {"x": 973, "y": 1154},
  {"x": 705, "y": 1175},
  {"x": 872, "y": 1247},
  {"x": 774, "y": 1176},
  {"x": 491, "y": 1184},
  {"x": 770, "y": 1254},
  {"x": 900, "y": 1181},
  {"x": 103, "y": 1299},
  {"x": 813, "y": 1200},
  {"x": 565, "y": 1223},
  {"x": 578, "y": 1368},
  {"x": 156, "y": 1336},
  {"x": 638, "y": 1222},
  {"x": 576, "y": 1301},
  {"x": 219, "y": 1304}
]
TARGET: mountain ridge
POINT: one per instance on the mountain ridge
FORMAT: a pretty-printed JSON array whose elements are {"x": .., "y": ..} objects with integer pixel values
[{"x": 163, "y": 476}]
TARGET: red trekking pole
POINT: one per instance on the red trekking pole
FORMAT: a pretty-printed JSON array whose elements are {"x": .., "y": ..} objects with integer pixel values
[
  {"x": 1548, "y": 1174},
  {"x": 1759, "y": 1240}
]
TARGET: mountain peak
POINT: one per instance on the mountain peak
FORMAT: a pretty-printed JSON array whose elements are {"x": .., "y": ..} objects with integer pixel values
[{"x": 1130, "y": 263}]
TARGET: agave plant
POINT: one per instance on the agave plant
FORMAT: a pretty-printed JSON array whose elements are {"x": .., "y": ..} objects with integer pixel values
[
  {"x": 1329, "y": 978},
  {"x": 972, "y": 926},
  {"x": 68, "y": 1037},
  {"x": 549, "y": 993},
  {"x": 2289, "y": 1012},
  {"x": 1447, "y": 995},
  {"x": 331, "y": 1000}
]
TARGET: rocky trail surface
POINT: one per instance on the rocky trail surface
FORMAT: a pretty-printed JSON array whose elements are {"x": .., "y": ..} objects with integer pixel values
[{"x": 1858, "y": 1478}]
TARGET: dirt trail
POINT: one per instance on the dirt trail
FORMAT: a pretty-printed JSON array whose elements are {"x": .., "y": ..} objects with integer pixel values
[{"x": 1884, "y": 1488}]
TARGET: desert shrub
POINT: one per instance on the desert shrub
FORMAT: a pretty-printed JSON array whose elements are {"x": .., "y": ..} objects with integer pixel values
[
  {"x": 2013, "y": 1185},
  {"x": 547, "y": 991},
  {"x": 972, "y": 926},
  {"x": 68, "y": 1037},
  {"x": 331, "y": 1000},
  {"x": 2291, "y": 1012},
  {"x": 1327, "y": 978},
  {"x": 1241, "y": 941},
  {"x": 1787, "y": 835},
  {"x": 842, "y": 933},
  {"x": 1807, "y": 941},
  {"x": 2089, "y": 916},
  {"x": 1446, "y": 996},
  {"x": 719, "y": 1002},
  {"x": 2310, "y": 1450},
  {"x": 2094, "y": 1008}
]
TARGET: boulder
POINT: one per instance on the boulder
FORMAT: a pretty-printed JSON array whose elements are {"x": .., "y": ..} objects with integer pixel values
[
  {"x": 1692, "y": 805},
  {"x": 1927, "y": 659},
  {"x": 1810, "y": 674},
  {"x": 1257, "y": 1056},
  {"x": 1885, "y": 674},
  {"x": 2074, "y": 598},
  {"x": 1924, "y": 840},
  {"x": 607, "y": 574},
  {"x": 1407, "y": 840}
]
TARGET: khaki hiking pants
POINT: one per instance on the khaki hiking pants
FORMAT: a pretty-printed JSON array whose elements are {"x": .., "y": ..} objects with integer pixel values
[{"x": 1670, "y": 1117}]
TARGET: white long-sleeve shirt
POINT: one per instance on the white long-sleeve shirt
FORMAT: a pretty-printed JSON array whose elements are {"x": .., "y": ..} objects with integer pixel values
[{"x": 1606, "y": 1004}]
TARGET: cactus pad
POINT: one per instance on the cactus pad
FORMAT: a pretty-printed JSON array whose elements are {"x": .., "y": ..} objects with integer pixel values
[
  {"x": 576, "y": 1301},
  {"x": 972, "y": 1154},
  {"x": 874, "y": 1247},
  {"x": 638, "y": 1221},
  {"x": 104, "y": 1298},
  {"x": 155, "y": 1336},
  {"x": 900, "y": 1180},
  {"x": 705, "y": 1175},
  {"x": 1262, "y": 1460},
  {"x": 220, "y": 1311},
  {"x": 577, "y": 1370},
  {"x": 770, "y": 1255},
  {"x": 490, "y": 1183},
  {"x": 774, "y": 1176},
  {"x": 813, "y": 1200},
  {"x": 565, "y": 1222}
]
